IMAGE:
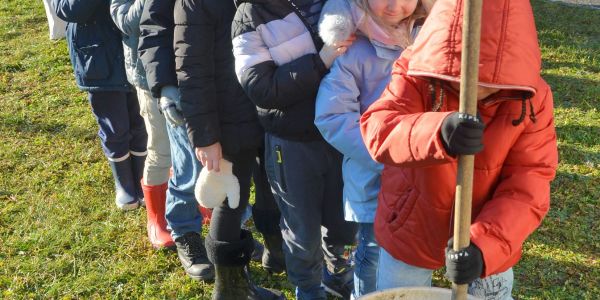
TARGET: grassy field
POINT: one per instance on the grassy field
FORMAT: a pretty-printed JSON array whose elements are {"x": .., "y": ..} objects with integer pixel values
[{"x": 61, "y": 236}]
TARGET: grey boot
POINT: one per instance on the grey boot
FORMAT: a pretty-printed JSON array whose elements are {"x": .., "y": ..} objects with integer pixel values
[
  {"x": 233, "y": 283},
  {"x": 267, "y": 223},
  {"x": 124, "y": 184},
  {"x": 273, "y": 259},
  {"x": 232, "y": 279}
]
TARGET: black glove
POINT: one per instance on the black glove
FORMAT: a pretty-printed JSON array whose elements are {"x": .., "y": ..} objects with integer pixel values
[
  {"x": 465, "y": 265},
  {"x": 462, "y": 134}
]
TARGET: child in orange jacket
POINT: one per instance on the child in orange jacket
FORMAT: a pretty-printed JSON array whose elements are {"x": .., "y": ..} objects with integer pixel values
[{"x": 416, "y": 131}]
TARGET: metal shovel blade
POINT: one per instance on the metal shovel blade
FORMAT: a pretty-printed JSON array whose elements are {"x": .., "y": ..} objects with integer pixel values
[{"x": 413, "y": 293}]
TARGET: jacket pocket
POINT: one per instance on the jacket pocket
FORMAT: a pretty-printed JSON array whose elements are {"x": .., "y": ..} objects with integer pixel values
[
  {"x": 92, "y": 62},
  {"x": 400, "y": 206}
]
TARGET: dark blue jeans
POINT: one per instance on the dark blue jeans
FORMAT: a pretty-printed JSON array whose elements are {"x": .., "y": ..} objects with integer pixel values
[{"x": 307, "y": 180}]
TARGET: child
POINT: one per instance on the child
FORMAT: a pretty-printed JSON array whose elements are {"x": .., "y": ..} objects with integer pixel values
[
  {"x": 97, "y": 58},
  {"x": 280, "y": 61},
  {"x": 183, "y": 217},
  {"x": 223, "y": 128},
  {"x": 126, "y": 15},
  {"x": 415, "y": 131},
  {"x": 355, "y": 81}
]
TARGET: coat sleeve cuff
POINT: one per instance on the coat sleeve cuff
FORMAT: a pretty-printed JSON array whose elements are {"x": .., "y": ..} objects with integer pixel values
[{"x": 495, "y": 252}]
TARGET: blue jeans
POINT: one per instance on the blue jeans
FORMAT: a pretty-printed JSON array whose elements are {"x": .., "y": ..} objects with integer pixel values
[
  {"x": 366, "y": 259},
  {"x": 182, "y": 212},
  {"x": 393, "y": 273}
]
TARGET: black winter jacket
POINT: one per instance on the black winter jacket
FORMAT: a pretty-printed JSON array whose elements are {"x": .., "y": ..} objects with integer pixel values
[
  {"x": 156, "y": 44},
  {"x": 215, "y": 107},
  {"x": 278, "y": 65}
]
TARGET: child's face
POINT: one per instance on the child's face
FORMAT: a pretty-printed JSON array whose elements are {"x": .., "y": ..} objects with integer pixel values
[
  {"x": 482, "y": 92},
  {"x": 391, "y": 12}
]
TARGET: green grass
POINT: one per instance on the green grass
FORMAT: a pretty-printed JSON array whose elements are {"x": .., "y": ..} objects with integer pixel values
[{"x": 61, "y": 236}]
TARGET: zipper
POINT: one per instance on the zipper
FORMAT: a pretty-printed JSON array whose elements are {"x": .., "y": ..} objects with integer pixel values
[{"x": 279, "y": 162}]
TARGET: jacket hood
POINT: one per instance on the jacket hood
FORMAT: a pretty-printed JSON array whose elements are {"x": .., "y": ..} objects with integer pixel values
[
  {"x": 340, "y": 18},
  {"x": 509, "y": 52}
]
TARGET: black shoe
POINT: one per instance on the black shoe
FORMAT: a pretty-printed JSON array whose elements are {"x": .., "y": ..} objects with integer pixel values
[
  {"x": 192, "y": 254},
  {"x": 273, "y": 259},
  {"x": 339, "y": 284},
  {"x": 233, "y": 283}
]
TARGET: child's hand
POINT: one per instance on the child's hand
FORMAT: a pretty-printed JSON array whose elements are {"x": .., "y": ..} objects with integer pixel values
[
  {"x": 330, "y": 52},
  {"x": 210, "y": 156},
  {"x": 462, "y": 134},
  {"x": 465, "y": 265}
]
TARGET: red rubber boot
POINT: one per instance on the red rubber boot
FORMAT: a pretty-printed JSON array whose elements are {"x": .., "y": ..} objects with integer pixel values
[
  {"x": 156, "y": 196},
  {"x": 206, "y": 214}
]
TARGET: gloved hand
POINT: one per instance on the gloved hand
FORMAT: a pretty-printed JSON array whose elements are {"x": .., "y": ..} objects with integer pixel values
[
  {"x": 169, "y": 105},
  {"x": 213, "y": 187},
  {"x": 462, "y": 134},
  {"x": 465, "y": 265}
]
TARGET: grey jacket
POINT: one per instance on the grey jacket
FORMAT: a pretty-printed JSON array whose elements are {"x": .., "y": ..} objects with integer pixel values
[{"x": 126, "y": 14}]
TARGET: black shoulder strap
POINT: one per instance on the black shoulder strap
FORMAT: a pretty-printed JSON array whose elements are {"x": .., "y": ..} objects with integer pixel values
[{"x": 313, "y": 33}]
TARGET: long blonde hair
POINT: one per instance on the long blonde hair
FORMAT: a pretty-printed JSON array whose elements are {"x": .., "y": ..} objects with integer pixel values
[{"x": 402, "y": 33}]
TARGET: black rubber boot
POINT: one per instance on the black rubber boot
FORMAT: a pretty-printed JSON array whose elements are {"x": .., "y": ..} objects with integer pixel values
[
  {"x": 267, "y": 223},
  {"x": 273, "y": 259},
  {"x": 232, "y": 280}
]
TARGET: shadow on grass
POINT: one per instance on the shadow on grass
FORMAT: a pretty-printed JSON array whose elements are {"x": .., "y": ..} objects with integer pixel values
[
  {"x": 570, "y": 91},
  {"x": 571, "y": 223},
  {"x": 570, "y": 52},
  {"x": 588, "y": 136},
  {"x": 574, "y": 155},
  {"x": 23, "y": 125},
  {"x": 546, "y": 278}
]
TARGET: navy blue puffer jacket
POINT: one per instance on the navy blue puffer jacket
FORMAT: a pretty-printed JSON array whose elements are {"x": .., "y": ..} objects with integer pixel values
[{"x": 94, "y": 45}]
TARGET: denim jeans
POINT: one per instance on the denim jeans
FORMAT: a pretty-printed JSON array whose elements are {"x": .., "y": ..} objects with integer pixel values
[
  {"x": 182, "y": 212},
  {"x": 366, "y": 259},
  {"x": 393, "y": 273}
]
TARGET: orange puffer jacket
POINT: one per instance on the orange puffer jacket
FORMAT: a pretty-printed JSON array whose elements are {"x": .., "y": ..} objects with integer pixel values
[{"x": 511, "y": 188}]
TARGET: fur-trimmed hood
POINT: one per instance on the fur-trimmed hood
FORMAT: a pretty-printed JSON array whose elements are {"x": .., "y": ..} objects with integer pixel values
[{"x": 341, "y": 18}]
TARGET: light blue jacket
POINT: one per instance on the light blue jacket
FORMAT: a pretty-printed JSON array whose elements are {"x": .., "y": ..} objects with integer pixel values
[
  {"x": 354, "y": 82},
  {"x": 126, "y": 14}
]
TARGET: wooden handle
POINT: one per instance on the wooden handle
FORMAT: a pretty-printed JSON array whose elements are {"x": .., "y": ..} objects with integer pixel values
[{"x": 468, "y": 104}]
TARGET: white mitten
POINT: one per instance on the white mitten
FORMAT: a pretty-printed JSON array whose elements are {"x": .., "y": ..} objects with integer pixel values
[{"x": 213, "y": 187}]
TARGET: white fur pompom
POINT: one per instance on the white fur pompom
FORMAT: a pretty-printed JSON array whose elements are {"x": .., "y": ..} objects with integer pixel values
[{"x": 336, "y": 23}]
